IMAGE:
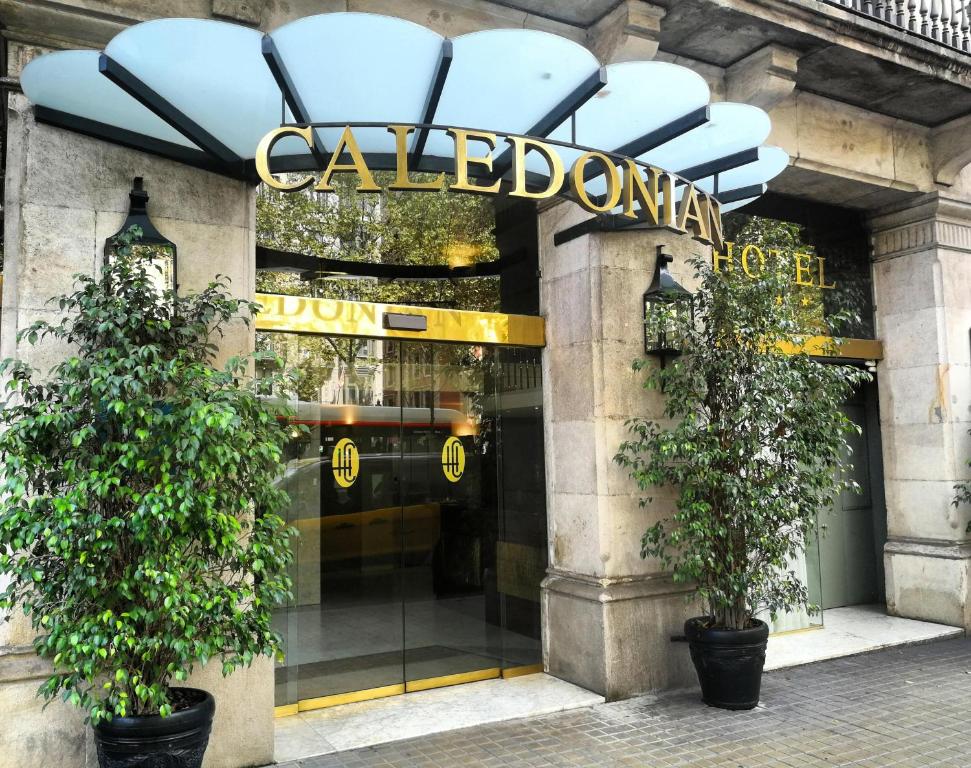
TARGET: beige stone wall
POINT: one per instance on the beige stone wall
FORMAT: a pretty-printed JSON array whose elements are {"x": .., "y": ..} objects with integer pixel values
[
  {"x": 93, "y": 23},
  {"x": 608, "y": 614},
  {"x": 65, "y": 194},
  {"x": 922, "y": 288},
  {"x": 835, "y": 142}
]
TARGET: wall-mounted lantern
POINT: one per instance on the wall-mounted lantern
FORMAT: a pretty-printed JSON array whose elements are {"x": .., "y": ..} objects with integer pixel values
[
  {"x": 667, "y": 298},
  {"x": 145, "y": 241}
]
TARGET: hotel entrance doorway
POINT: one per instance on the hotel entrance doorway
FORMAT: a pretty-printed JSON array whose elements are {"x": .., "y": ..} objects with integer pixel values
[
  {"x": 418, "y": 491},
  {"x": 848, "y": 561}
]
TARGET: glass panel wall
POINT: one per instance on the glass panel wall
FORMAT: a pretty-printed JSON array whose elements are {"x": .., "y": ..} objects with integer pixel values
[
  {"x": 433, "y": 249},
  {"x": 343, "y": 628},
  {"x": 419, "y": 494},
  {"x": 824, "y": 248},
  {"x": 425, "y": 567}
]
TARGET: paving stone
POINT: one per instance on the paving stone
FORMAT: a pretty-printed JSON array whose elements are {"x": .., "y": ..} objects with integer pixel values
[{"x": 898, "y": 708}]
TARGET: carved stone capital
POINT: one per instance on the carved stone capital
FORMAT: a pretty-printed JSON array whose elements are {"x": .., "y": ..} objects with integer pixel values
[
  {"x": 630, "y": 32},
  {"x": 931, "y": 222},
  {"x": 764, "y": 77}
]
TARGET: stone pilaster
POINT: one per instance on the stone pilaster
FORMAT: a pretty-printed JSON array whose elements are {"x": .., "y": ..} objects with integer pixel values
[
  {"x": 608, "y": 614},
  {"x": 65, "y": 194},
  {"x": 922, "y": 290}
]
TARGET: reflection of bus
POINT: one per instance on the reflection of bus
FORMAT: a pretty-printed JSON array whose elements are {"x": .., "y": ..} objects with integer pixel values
[
  {"x": 400, "y": 503},
  {"x": 375, "y": 426}
]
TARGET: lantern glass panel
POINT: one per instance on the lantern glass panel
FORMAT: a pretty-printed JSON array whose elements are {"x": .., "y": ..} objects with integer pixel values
[
  {"x": 665, "y": 314},
  {"x": 160, "y": 258},
  {"x": 145, "y": 242},
  {"x": 161, "y": 263}
]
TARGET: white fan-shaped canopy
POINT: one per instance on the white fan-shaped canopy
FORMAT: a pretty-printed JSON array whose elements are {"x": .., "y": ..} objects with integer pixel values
[
  {"x": 207, "y": 91},
  {"x": 69, "y": 82}
]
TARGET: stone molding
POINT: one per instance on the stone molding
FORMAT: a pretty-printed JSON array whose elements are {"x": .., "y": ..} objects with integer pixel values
[
  {"x": 243, "y": 11},
  {"x": 950, "y": 149},
  {"x": 19, "y": 662},
  {"x": 945, "y": 550},
  {"x": 763, "y": 78},
  {"x": 932, "y": 222},
  {"x": 610, "y": 590},
  {"x": 630, "y": 32}
]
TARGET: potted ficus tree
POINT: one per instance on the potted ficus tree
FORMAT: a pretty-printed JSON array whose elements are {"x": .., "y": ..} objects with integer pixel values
[
  {"x": 139, "y": 524},
  {"x": 753, "y": 442}
]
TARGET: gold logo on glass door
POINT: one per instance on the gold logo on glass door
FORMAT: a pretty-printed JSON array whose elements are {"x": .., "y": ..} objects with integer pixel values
[
  {"x": 345, "y": 462},
  {"x": 453, "y": 459}
]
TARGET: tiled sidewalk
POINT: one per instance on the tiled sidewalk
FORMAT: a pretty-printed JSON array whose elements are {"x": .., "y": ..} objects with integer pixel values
[{"x": 899, "y": 708}]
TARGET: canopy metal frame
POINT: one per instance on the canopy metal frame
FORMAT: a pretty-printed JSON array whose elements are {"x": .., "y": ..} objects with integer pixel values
[
  {"x": 168, "y": 112},
  {"x": 211, "y": 153}
]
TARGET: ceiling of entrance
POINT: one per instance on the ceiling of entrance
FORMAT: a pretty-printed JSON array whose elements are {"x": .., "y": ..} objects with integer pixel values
[{"x": 205, "y": 92}]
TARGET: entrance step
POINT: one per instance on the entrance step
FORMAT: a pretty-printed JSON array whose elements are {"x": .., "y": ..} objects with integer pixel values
[
  {"x": 849, "y": 631},
  {"x": 367, "y": 723}
]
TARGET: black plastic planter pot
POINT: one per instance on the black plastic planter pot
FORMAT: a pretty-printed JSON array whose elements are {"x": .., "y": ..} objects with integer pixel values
[
  {"x": 176, "y": 741},
  {"x": 728, "y": 661}
]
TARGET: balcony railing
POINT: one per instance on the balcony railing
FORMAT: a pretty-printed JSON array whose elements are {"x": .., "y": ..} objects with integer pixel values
[{"x": 947, "y": 22}]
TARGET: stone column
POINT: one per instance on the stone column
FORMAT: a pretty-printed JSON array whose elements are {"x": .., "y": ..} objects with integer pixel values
[
  {"x": 922, "y": 290},
  {"x": 65, "y": 194},
  {"x": 608, "y": 615}
]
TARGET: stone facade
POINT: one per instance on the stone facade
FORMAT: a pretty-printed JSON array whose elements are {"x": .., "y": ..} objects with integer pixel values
[
  {"x": 65, "y": 194},
  {"x": 600, "y": 595},
  {"x": 874, "y": 120},
  {"x": 922, "y": 285}
]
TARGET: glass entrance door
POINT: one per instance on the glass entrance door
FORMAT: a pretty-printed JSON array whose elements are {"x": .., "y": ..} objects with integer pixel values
[
  {"x": 420, "y": 552},
  {"x": 343, "y": 630},
  {"x": 449, "y": 529}
]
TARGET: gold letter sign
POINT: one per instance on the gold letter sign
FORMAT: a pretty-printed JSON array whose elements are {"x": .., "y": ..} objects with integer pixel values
[
  {"x": 631, "y": 189},
  {"x": 753, "y": 261}
]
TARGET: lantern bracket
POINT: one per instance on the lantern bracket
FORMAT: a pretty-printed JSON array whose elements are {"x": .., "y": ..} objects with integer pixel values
[
  {"x": 664, "y": 291},
  {"x": 157, "y": 248}
]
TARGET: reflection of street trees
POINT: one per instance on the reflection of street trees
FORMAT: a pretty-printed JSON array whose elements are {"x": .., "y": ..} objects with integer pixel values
[
  {"x": 843, "y": 268},
  {"x": 413, "y": 228},
  {"x": 851, "y": 273},
  {"x": 779, "y": 240},
  {"x": 404, "y": 228}
]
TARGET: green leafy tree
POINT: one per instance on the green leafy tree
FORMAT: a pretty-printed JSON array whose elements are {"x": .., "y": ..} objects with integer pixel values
[
  {"x": 391, "y": 227},
  {"x": 138, "y": 521},
  {"x": 753, "y": 440}
]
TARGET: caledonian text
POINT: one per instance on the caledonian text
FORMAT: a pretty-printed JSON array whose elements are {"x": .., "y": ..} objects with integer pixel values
[{"x": 641, "y": 193}]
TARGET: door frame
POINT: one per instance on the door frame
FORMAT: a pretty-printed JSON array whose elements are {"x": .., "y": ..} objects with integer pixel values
[{"x": 335, "y": 317}]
